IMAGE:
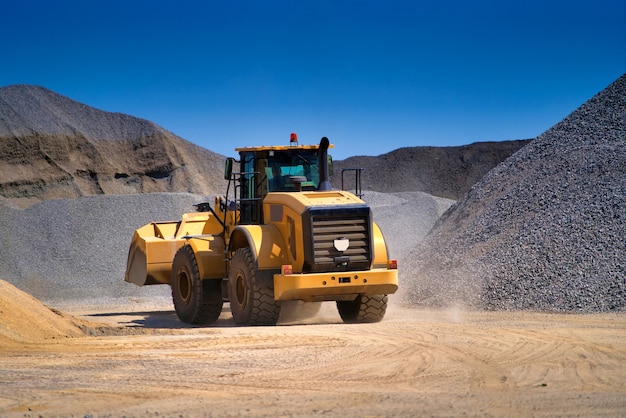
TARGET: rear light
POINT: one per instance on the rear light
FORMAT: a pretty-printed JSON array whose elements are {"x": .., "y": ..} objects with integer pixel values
[
  {"x": 392, "y": 264},
  {"x": 286, "y": 269}
]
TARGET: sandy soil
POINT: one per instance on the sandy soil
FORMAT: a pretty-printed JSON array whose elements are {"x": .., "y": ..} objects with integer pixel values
[{"x": 415, "y": 362}]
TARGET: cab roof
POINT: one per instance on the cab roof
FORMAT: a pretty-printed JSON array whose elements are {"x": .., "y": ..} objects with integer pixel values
[{"x": 281, "y": 148}]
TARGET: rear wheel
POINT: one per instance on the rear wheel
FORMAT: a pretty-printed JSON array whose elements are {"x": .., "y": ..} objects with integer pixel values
[
  {"x": 364, "y": 309},
  {"x": 196, "y": 301},
  {"x": 250, "y": 304}
]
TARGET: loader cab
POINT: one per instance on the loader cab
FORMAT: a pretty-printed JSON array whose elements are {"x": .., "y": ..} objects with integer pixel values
[{"x": 264, "y": 170}]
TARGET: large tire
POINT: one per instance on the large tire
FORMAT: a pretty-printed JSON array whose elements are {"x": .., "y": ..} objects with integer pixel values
[
  {"x": 364, "y": 309},
  {"x": 196, "y": 301},
  {"x": 250, "y": 304}
]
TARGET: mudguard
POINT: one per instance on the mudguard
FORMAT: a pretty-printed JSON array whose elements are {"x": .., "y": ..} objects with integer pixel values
[
  {"x": 209, "y": 252},
  {"x": 265, "y": 242},
  {"x": 381, "y": 255}
]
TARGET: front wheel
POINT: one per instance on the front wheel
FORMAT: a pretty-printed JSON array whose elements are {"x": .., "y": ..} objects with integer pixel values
[
  {"x": 364, "y": 309},
  {"x": 196, "y": 301},
  {"x": 250, "y": 304}
]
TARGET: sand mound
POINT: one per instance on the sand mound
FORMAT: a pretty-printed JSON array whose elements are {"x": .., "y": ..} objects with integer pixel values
[{"x": 25, "y": 319}]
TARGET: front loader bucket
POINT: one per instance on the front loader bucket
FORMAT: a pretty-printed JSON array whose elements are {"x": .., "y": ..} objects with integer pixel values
[
  {"x": 151, "y": 252},
  {"x": 154, "y": 246}
]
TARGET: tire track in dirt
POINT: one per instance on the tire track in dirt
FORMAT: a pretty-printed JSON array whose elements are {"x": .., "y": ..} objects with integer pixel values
[{"x": 414, "y": 361}]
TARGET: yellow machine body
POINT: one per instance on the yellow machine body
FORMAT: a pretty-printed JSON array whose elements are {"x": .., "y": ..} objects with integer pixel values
[
  {"x": 273, "y": 246},
  {"x": 300, "y": 241}
]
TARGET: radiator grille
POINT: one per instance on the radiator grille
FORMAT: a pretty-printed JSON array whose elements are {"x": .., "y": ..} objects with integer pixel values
[{"x": 327, "y": 227}]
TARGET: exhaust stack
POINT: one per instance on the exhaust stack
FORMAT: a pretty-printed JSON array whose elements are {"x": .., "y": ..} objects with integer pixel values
[{"x": 323, "y": 164}]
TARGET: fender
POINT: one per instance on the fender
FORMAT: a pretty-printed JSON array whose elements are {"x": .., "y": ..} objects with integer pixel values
[
  {"x": 381, "y": 254},
  {"x": 209, "y": 252},
  {"x": 265, "y": 242}
]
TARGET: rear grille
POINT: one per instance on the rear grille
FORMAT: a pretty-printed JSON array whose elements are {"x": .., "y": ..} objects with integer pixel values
[{"x": 327, "y": 226}]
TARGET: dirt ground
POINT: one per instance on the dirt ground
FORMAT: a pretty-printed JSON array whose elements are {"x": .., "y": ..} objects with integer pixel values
[{"x": 415, "y": 363}]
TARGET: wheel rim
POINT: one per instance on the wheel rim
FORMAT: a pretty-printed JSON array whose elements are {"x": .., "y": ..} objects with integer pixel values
[
  {"x": 184, "y": 285},
  {"x": 240, "y": 290}
]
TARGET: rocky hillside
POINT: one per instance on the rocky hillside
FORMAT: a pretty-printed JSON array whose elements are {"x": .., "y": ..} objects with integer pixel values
[
  {"x": 54, "y": 147},
  {"x": 544, "y": 230},
  {"x": 441, "y": 171}
]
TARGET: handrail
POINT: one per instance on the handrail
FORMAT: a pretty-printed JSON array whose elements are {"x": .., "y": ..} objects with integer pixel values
[{"x": 357, "y": 180}]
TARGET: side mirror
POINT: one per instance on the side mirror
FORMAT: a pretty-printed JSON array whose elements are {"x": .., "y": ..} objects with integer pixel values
[
  {"x": 228, "y": 168},
  {"x": 330, "y": 165}
]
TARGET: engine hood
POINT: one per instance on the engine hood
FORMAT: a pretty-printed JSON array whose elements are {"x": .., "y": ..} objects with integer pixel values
[{"x": 301, "y": 201}]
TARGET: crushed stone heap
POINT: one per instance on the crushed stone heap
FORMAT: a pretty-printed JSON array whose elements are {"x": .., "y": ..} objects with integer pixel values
[
  {"x": 76, "y": 249},
  {"x": 53, "y": 147},
  {"x": 544, "y": 230}
]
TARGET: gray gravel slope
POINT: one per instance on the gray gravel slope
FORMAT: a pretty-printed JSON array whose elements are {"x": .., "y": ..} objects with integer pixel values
[
  {"x": 544, "y": 230},
  {"x": 76, "y": 249}
]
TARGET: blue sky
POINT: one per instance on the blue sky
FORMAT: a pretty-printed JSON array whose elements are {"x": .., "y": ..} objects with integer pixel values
[{"x": 373, "y": 76}]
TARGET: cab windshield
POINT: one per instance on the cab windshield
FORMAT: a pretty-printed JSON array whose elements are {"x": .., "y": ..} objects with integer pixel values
[{"x": 283, "y": 166}]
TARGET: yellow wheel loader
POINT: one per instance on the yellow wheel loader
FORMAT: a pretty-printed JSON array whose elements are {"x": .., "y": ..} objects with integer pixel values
[{"x": 280, "y": 233}]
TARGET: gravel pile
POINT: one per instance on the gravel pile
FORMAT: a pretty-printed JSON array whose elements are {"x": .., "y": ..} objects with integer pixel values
[
  {"x": 26, "y": 109},
  {"x": 53, "y": 147},
  {"x": 58, "y": 246},
  {"x": 440, "y": 171},
  {"x": 544, "y": 230},
  {"x": 405, "y": 218},
  {"x": 76, "y": 249}
]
